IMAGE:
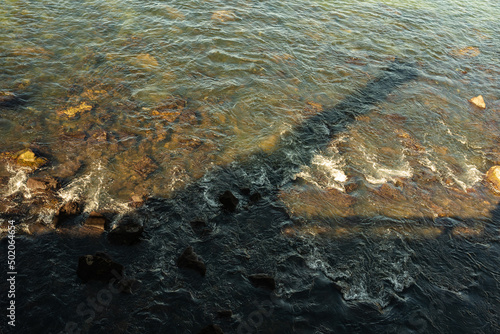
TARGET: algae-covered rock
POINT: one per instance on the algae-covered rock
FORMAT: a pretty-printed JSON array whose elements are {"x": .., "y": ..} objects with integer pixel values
[
  {"x": 73, "y": 111},
  {"x": 28, "y": 158}
]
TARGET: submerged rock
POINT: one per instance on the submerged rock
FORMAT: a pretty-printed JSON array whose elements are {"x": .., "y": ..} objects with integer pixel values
[
  {"x": 223, "y": 15},
  {"x": 128, "y": 232},
  {"x": 224, "y": 314},
  {"x": 478, "y": 101},
  {"x": 9, "y": 100},
  {"x": 145, "y": 167},
  {"x": 189, "y": 259},
  {"x": 41, "y": 184},
  {"x": 98, "y": 267},
  {"x": 25, "y": 158},
  {"x": 229, "y": 201},
  {"x": 211, "y": 329},
  {"x": 466, "y": 52},
  {"x": 262, "y": 281},
  {"x": 145, "y": 60},
  {"x": 73, "y": 111},
  {"x": 68, "y": 168},
  {"x": 493, "y": 177},
  {"x": 200, "y": 227}
]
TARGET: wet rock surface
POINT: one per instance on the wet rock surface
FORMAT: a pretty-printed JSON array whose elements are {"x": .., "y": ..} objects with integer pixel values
[
  {"x": 98, "y": 221},
  {"x": 127, "y": 232},
  {"x": 190, "y": 260},
  {"x": 67, "y": 213}
]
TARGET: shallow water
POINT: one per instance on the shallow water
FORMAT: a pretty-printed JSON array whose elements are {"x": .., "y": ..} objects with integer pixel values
[{"x": 386, "y": 227}]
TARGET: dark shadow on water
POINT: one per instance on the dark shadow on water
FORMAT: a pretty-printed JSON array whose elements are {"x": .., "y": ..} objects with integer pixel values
[{"x": 454, "y": 288}]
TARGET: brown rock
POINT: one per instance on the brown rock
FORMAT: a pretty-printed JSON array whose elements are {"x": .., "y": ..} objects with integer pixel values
[
  {"x": 387, "y": 191},
  {"x": 97, "y": 220},
  {"x": 189, "y": 259},
  {"x": 42, "y": 183},
  {"x": 68, "y": 168}
]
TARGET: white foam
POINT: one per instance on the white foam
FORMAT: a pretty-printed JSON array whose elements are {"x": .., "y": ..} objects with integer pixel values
[
  {"x": 380, "y": 173},
  {"x": 91, "y": 189},
  {"x": 325, "y": 172},
  {"x": 17, "y": 182}
]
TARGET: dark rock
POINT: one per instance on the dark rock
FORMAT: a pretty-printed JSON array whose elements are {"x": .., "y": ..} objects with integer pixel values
[
  {"x": 97, "y": 220},
  {"x": 98, "y": 267},
  {"x": 229, "y": 201},
  {"x": 128, "y": 232},
  {"x": 145, "y": 167},
  {"x": 200, "y": 227},
  {"x": 71, "y": 208},
  {"x": 224, "y": 314},
  {"x": 255, "y": 197},
  {"x": 66, "y": 213},
  {"x": 189, "y": 259},
  {"x": 211, "y": 329},
  {"x": 47, "y": 183},
  {"x": 245, "y": 191},
  {"x": 10, "y": 100},
  {"x": 263, "y": 281}
]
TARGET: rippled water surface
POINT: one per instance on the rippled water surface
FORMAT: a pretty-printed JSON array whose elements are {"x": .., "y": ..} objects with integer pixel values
[{"x": 379, "y": 222}]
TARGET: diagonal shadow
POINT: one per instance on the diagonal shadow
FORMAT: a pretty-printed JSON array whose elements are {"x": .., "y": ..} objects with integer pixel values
[{"x": 265, "y": 172}]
